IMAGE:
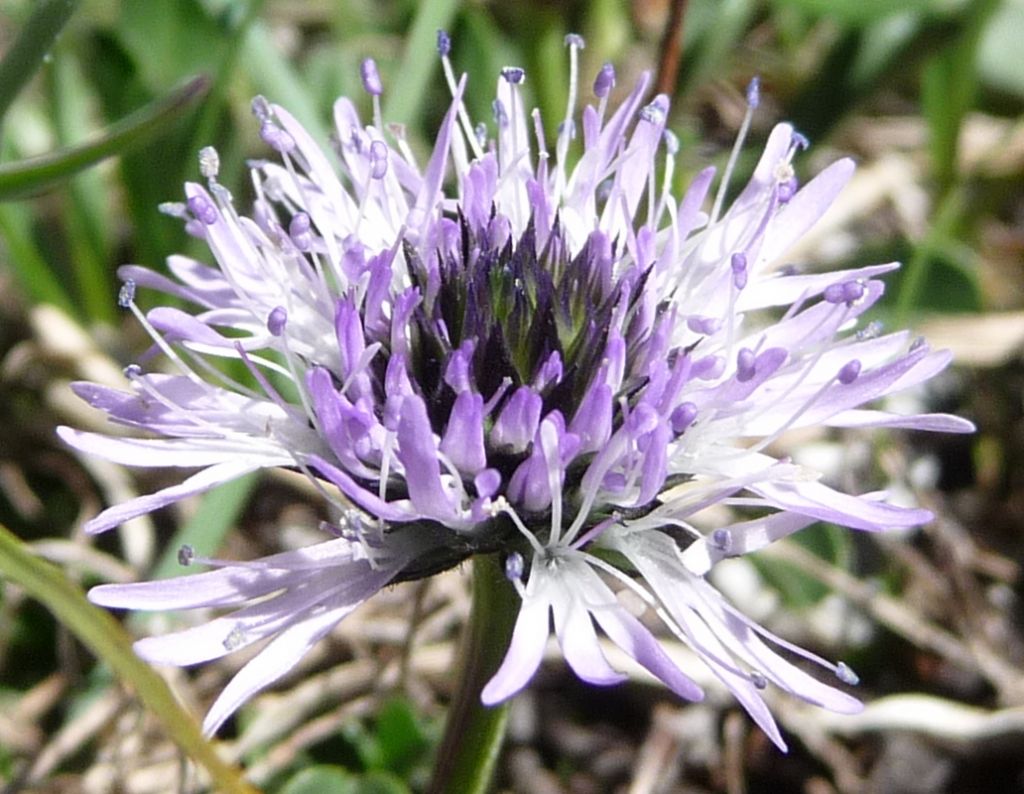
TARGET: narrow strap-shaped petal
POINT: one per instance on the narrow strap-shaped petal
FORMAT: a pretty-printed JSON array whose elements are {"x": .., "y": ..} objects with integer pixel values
[
  {"x": 827, "y": 504},
  {"x": 196, "y": 484},
  {"x": 525, "y": 650}
]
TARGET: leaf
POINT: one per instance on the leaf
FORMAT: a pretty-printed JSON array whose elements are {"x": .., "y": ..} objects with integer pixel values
[
  {"x": 322, "y": 779},
  {"x": 948, "y": 88},
  {"x": 862, "y": 12},
  {"x": 105, "y": 637},
  {"x": 30, "y": 49},
  {"x": 36, "y": 174},
  {"x": 325, "y": 779},
  {"x": 1001, "y": 56}
]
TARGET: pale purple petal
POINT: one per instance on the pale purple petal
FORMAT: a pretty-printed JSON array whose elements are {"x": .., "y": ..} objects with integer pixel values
[{"x": 525, "y": 651}]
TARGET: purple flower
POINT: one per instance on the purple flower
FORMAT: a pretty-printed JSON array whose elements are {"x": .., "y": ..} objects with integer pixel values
[{"x": 547, "y": 361}]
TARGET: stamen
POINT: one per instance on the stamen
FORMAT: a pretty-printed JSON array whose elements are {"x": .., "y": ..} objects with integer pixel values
[
  {"x": 202, "y": 209},
  {"x": 604, "y": 82},
  {"x": 513, "y": 74},
  {"x": 299, "y": 231},
  {"x": 682, "y": 417},
  {"x": 514, "y": 566},
  {"x": 209, "y": 162},
  {"x": 235, "y": 639},
  {"x": 501, "y": 505},
  {"x": 871, "y": 331},
  {"x": 374, "y": 87},
  {"x": 371, "y": 77},
  {"x": 276, "y": 138},
  {"x": 567, "y": 129},
  {"x": 444, "y": 43},
  {"x": 126, "y": 295},
  {"x": 738, "y": 264},
  {"x": 186, "y": 555},
  {"x": 596, "y": 531},
  {"x": 846, "y": 675},
  {"x": 721, "y": 539},
  {"x": 745, "y": 364},
  {"x": 276, "y": 320},
  {"x": 848, "y": 374},
  {"x": 378, "y": 159},
  {"x": 753, "y": 93}
]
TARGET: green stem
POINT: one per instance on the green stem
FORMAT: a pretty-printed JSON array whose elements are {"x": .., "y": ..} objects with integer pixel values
[{"x": 473, "y": 733}]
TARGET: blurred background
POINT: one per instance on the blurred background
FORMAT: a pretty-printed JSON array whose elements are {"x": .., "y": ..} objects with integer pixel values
[{"x": 927, "y": 96}]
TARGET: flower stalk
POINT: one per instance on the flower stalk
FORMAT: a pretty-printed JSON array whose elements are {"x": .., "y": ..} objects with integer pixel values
[{"x": 474, "y": 733}]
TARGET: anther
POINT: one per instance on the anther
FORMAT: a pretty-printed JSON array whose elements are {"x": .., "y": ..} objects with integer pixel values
[
  {"x": 371, "y": 77},
  {"x": 126, "y": 295},
  {"x": 846, "y": 675},
  {"x": 917, "y": 344},
  {"x": 853, "y": 291},
  {"x": 871, "y": 331},
  {"x": 500, "y": 116},
  {"x": 745, "y": 364},
  {"x": 202, "y": 209},
  {"x": 444, "y": 43},
  {"x": 845, "y": 292},
  {"x": 276, "y": 138},
  {"x": 738, "y": 263},
  {"x": 132, "y": 371},
  {"x": 671, "y": 142},
  {"x": 513, "y": 74},
  {"x": 758, "y": 679},
  {"x": 174, "y": 209},
  {"x": 480, "y": 131},
  {"x": 378, "y": 159},
  {"x": 236, "y": 637},
  {"x": 721, "y": 539},
  {"x": 276, "y": 320},
  {"x": 298, "y": 231},
  {"x": 209, "y": 162},
  {"x": 575, "y": 40},
  {"x": 682, "y": 417},
  {"x": 655, "y": 111},
  {"x": 707, "y": 326},
  {"x": 261, "y": 108},
  {"x": 186, "y": 554},
  {"x": 786, "y": 189},
  {"x": 514, "y": 566},
  {"x": 848, "y": 374},
  {"x": 754, "y": 92},
  {"x": 605, "y": 81},
  {"x": 800, "y": 141}
]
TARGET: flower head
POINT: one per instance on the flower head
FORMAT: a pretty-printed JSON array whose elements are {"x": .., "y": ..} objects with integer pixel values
[{"x": 507, "y": 349}]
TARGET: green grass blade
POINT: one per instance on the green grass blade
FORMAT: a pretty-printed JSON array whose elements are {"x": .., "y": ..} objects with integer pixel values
[
  {"x": 36, "y": 277},
  {"x": 86, "y": 201},
  {"x": 105, "y": 637},
  {"x": 29, "y": 50},
  {"x": 33, "y": 175},
  {"x": 948, "y": 86}
]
